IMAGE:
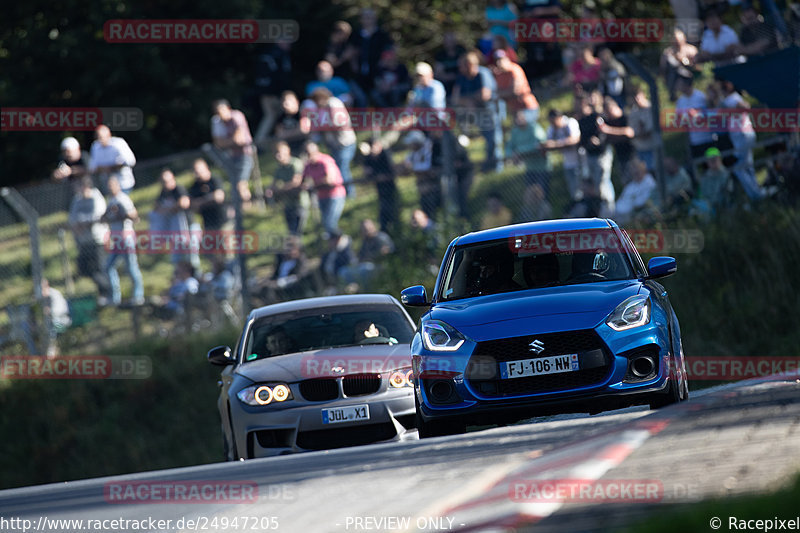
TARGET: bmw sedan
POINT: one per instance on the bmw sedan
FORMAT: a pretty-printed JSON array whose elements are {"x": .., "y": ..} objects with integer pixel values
[
  {"x": 317, "y": 373},
  {"x": 544, "y": 317}
]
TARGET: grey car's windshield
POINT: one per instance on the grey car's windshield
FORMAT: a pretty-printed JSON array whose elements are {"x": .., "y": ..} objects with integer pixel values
[
  {"x": 535, "y": 261},
  {"x": 333, "y": 327}
]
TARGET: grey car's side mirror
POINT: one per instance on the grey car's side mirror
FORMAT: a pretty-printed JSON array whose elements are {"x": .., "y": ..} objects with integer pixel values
[
  {"x": 220, "y": 356},
  {"x": 414, "y": 296}
]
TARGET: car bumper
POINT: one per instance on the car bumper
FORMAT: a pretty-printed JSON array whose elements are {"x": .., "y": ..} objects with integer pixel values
[{"x": 268, "y": 432}]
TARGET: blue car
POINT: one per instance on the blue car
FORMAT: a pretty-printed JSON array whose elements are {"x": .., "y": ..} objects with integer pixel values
[{"x": 540, "y": 318}]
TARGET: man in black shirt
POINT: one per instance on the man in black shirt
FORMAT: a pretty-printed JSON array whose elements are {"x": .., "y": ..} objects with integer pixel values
[
  {"x": 71, "y": 168},
  {"x": 207, "y": 197},
  {"x": 598, "y": 157},
  {"x": 756, "y": 37}
]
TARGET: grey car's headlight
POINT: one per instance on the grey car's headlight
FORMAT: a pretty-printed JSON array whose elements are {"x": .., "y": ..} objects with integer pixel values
[
  {"x": 265, "y": 394},
  {"x": 632, "y": 313},
  {"x": 401, "y": 378},
  {"x": 438, "y": 336}
]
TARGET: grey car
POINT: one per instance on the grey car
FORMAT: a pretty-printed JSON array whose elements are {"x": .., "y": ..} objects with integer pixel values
[{"x": 317, "y": 373}]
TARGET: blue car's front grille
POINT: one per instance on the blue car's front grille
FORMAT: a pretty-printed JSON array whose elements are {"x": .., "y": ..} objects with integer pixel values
[{"x": 586, "y": 343}]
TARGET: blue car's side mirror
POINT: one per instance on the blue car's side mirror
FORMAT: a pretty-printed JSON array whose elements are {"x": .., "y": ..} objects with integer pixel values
[
  {"x": 659, "y": 267},
  {"x": 414, "y": 296}
]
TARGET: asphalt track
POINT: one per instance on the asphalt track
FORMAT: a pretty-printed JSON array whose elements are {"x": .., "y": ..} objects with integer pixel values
[{"x": 732, "y": 439}]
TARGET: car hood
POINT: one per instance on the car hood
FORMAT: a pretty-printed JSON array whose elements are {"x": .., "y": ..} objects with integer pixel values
[
  {"x": 320, "y": 363},
  {"x": 588, "y": 299}
]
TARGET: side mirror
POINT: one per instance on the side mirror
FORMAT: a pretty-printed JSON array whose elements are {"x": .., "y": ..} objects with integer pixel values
[
  {"x": 414, "y": 296},
  {"x": 220, "y": 356},
  {"x": 659, "y": 267}
]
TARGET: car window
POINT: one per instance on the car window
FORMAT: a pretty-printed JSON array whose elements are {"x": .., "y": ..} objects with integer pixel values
[
  {"x": 326, "y": 328},
  {"x": 506, "y": 266}
]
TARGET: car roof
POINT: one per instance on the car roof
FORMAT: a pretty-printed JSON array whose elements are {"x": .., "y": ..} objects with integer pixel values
[
  {"x": 323, "y": 301},
  {"x": 531, "y": 228}
]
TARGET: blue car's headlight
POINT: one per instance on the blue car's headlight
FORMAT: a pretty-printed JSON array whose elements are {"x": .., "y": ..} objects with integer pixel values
[
  {"x": 632, "y": 313},
  {"x": 438, "y": 336}
]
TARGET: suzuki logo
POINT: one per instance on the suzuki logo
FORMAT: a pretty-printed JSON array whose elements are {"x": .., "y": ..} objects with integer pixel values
[{"x": 537, "y": 346}]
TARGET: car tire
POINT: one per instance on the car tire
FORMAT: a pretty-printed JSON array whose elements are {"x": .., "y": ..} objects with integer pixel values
[
  {"x": 672, "y": 395},
  {"x": 436, "y": 428}
]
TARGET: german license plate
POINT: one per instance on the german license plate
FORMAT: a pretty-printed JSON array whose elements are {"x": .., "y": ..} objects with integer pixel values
[
  {"x": 540, "y": 366},
  {"x": 351, "y": 413}
]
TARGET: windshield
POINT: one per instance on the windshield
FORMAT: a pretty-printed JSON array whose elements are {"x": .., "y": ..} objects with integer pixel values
[
  {"x": 535, "y": 261},
  {"x": 313, "y": 329}
]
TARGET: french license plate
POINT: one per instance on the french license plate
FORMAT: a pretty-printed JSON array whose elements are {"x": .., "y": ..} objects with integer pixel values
[
  {"x": 541, "y": 366},
  {"x": 351, "y": 413}
]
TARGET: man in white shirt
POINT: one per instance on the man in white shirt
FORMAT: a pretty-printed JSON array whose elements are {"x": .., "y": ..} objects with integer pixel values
[
  {"x": 120, "y": 215},
  {"x": 719, "y": 43},
  {"x": 111, "y": 156},
  {"x": 693, "y": 102},
  {"x": 564, "y": 134},
  {"x": 636, "y": 193}
]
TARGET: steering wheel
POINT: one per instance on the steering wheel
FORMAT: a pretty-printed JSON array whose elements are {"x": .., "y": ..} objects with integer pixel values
[{"x": 377, "y": 340}]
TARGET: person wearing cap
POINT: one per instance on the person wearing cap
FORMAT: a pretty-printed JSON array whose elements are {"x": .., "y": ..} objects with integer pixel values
[
  {"x": 72, "y": 166},
  {"x": 111, "y": 156},
  {"x": 513, "y": 87},
  {"x": 714, "y": 183}
]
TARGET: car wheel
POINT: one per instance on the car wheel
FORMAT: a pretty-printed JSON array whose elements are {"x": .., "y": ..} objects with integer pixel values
[
  {"x": 226, "y": 447},
  {"x": 670, "y": 396},
  {"x": 437, "y": 428}
]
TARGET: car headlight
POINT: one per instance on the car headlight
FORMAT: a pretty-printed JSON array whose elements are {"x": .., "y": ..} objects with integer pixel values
[
  {"x": 265, "y": 394},
  {"x": 401, "y": 378},
  {"x": 438, "y": 336},
  {"x": 632, "y": 313}
]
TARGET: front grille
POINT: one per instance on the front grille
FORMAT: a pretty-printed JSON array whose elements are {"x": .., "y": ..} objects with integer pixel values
[
  {"x": 361, "y": 384},
  {"x": 326, "y": 439},
  {"x": 319, "y": 390},
  {"x": 586, "y": 343}
]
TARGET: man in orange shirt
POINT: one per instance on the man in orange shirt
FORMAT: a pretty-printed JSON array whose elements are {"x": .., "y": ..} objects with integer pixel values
[{"x": 513, "y": 87}]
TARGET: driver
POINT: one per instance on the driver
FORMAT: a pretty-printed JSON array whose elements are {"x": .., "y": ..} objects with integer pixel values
[
  {"x": 279, "y": 342},
  {"x": 367, "y": 331}
]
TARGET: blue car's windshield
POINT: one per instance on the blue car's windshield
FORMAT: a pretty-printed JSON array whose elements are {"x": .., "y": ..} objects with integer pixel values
[{"x": 535, "y": 261}]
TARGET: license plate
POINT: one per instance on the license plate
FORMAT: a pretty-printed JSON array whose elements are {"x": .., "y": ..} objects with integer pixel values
[
  {"x": 351, "y": 413},
  {"x": 541, "y": 366}
]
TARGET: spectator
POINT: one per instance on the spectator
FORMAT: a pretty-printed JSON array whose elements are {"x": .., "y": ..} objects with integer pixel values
[
  {"x": 287, "y": 188},
  {"x": 339, "y": 256},
  {"x": 375, "y": 245},
  {"x": 677, "y": 61},
  {"x": 513, "y": 88},
  {"x": 677, "y": 183},
  {"x": 588, "y": 202},
  {"x": 714, "y": 190},
  {"x": 525, "y": 144},
  {"x": 220, "y": 282},
  {"x": 336, "y": 85},
  {"x": 693, "y": 102},
  {"x": 462, "y": 167},
  {"x": 290, "y": 274},
  {"x": 500, "y": 16},
  {"x": 636, "y": 194},
  {"x": 756, "y": 36},
  {"x": 338, "y": 52},
  {"x": 543, "y": 57},
  {"x": 322, "y": 170},
  {"x": 598, "y": 157},
  {"x": 428, "y": 92},
  {"x": 169, "y": 215},
  {"x": 273, "y": 76},
  {"x": 72, "y": 166},
  {"x": 425, "y": 229},
  {"x": 446, "y": 61},
  {"x": 339, "y": 137},
  {"x": 85, "y": 214},
  {"x": 56, "y": 311},
  {"x": 743, "y": 138},
  {"x": 719, "y": 43},
  {"x": 111, "y": 156},
  {"x": 120, "y": 215},
  {"x": 564, "y": 135},
  {"x": 500, "y": 44},
  {"x": 368, "y": 44},
  {"x": 585, "y": 71},
  {"x": 612, "y": 77},
  {"x": 476, "y": 90},
  {"x": 207, "y": 197},
  {"x": 231, "y": 135},
  {"x": 392, "y": 81},
  {"x": 497, "y": 214},
  {"x": 183, "y": 284},
  {"x": 287, "y": 127},
  {"x": 618, "y": 132},
  {"x": 645, "y": 141},
  {"x": 534, "y": 204},
  {"x": 379, "y": 169},
  {"x": 420, "y": 162}
]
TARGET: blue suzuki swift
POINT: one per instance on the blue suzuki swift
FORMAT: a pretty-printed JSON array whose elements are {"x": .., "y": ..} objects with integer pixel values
[{"x": 544, "y": 317}]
